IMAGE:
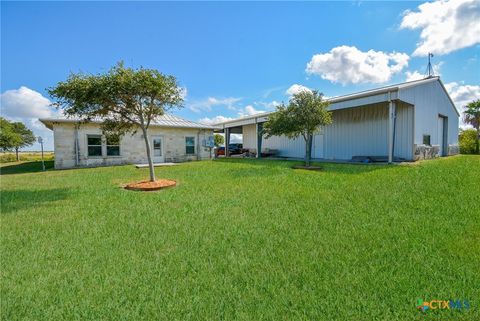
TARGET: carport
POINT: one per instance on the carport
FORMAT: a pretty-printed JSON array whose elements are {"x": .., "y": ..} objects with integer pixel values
[{"x": 237, "y": 127}]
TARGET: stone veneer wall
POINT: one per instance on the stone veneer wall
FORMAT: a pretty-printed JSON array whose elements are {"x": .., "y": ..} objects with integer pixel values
[
  {"x": 132, "y": 147},
  {"x": 453, "y": 150},
  {"x": 429, "y": 152}
]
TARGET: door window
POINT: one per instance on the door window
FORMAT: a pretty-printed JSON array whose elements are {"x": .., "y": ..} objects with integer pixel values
[{"x": 157, "y": 147}]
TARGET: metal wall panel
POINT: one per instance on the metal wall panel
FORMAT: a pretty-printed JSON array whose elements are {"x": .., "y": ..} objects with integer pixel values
[
  {"x": 249, "y": 136},
  {"x": 286, "y": 147},
  {"x": 404, "y": 132},
  {"x": 360, "y": 131},
  {"x": 357, "y": 132},
  {"x": 430, "y": 100}
]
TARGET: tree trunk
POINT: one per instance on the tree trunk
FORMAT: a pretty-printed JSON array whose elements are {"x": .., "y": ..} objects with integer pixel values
[
  {"x": 308, "y": 150},
  {"x": 149, "y": 154},
  {"x": 16, "y": 153}
]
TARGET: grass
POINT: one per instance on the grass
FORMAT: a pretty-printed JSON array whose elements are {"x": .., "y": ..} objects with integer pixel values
[
  {"x": 241, "y": 240},
  {"x": 9, "y": 157}
]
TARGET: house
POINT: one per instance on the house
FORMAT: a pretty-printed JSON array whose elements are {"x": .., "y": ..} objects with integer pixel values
[
  {"x": 172, "y": 139},
  {"x": 408, "y": 121}
]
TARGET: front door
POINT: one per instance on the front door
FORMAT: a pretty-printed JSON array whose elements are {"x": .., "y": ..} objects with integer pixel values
[
  {"x": 157, "y": 149},
  {"x": 441, "y": 134}
]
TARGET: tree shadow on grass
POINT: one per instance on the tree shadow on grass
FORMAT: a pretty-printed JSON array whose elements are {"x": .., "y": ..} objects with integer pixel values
[
  {"x": 12, "y": 201},
  {"x": 341, "y": 168},
  {"x": 25, "y": 167}
]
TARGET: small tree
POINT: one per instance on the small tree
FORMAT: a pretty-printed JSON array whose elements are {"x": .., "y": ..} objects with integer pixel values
[
  {"x": 219, "y": 140},
  {"x": 26, "y": 137},
  {"x": 305, "y": 113},
  {"x": 471, "y": 116},
  {"x": 124, "y": 98},
  {"x": 14, "y": 135},
  {"x": 8, "y": 138},
  {"x": 467, "y": 140}
]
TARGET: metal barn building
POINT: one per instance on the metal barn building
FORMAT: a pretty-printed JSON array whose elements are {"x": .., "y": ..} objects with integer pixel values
[{"x": 409, "y": 121}]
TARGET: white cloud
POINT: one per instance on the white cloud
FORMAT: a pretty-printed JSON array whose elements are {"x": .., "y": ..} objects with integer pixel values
[
  {"x": 446, "y": 25},
  {"x": 267, "y": 105},
  {"x": 267, "y": 92},
  {"x": 214, "y": 120},
  {"x": 347, "y": 64},
  {"x": 295, "y": 89},
  {"x": 462, "y": 94},
  {"x": 416, "y": 75},
  {"x": 236, "y": 138},
  {"x": 249, "y": 111},
  {"x": 207, "y": 104},
  {"x": 26, "y": 105},
  {"x": 413, "y": 75},
  {"x": 183, "y": 92}
]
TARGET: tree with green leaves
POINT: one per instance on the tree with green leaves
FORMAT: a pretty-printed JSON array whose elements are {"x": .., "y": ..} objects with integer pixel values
[
  {"x": 467, "y": 141},
  {"x": 305, "y": 113},
  {"x": 471, "y": 116},
  {"x": 219, "y": 140},
  {"x": 126, "y": 100},
  {"x": 27, "y": 138},
  {"x": 14, "y": 135},
  {"x": 8, "y": 138}
]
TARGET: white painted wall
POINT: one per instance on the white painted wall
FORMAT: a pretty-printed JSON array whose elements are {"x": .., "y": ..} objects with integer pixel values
[
  {"x": 249, "y": 136},
  {"x": 404, "y": 132},
  {"x": 360, "y": 131},
  {"x": 286, "y": 147},
  {"x": 430, "y": 100}
]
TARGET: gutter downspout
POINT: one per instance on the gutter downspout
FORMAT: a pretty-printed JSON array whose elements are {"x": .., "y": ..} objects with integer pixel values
[
  {"x": 390, "y": 127},
  {"x": 77, "y": 152},
  {"x": 394, "y": 129},
  {"x": 198, "y": 145}
]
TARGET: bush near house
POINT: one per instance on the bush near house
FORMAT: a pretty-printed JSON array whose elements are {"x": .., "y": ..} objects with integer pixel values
[
  {"x": 241, "y": 239},
  {"x": 467, "y": 140}
]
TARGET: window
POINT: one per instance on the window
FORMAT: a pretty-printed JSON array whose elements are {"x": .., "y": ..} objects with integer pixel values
[
  {"x": 157, "y": 147},
  {"x": 190, "y": 145},
  {"x": 94, "y": 143},
  {"x": 113, "y": 145},
  {"x": 426, "y": 140}
]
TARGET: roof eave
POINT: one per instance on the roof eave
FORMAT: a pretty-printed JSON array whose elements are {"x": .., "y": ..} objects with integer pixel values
[{"x": 48, "y": 122}]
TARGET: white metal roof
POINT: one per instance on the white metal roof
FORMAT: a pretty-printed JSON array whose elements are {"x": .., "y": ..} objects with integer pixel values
[
  {"x": 343, "y": 98},
  {"x": 167, "y": 120}
]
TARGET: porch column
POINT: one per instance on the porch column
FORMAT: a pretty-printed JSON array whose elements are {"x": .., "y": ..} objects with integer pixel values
[
  {"x": 391, "y": 130},
  {"x": 227, "y": 141},
  {"x": 259, "y": 128}
]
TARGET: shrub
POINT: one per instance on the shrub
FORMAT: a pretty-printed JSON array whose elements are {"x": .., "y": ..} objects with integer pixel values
[{"x": 467, "y": 141}]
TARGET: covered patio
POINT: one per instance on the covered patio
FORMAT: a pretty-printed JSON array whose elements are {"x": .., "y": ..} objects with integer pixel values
[
  {"x": 251, "y": 130},
  {"x": 375, "y": 127}
]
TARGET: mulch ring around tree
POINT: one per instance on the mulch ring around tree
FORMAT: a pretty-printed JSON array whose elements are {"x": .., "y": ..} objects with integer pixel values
[
  {"x": 150, "y": 186},
  {"x": 308, "y": 168}
]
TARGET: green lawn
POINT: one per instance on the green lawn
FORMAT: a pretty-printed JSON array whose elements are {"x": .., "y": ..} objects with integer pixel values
[{"x": 241, "y": 240}]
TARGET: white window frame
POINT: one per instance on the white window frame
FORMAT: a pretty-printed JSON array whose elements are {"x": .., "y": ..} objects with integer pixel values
[
  {"x": 107, "y": 145},
  {"x": 101, "y": 146},
  {"x": 194, "y": 146}
]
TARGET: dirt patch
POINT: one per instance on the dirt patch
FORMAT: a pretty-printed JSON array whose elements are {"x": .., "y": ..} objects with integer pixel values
[
  {"x": 150, "y": 186},
  {"x": 308, "y": 168}
]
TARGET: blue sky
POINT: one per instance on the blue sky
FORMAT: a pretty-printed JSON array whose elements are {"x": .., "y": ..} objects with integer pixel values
[{"x": 238, "y": 58}]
